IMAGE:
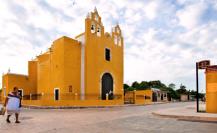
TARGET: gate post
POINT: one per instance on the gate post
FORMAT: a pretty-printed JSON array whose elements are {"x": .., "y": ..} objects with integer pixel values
[{"x": 107, "y": 96}]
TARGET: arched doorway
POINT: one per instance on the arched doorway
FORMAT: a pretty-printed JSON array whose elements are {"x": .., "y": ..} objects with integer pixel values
[{"x": 107, "y": 86}]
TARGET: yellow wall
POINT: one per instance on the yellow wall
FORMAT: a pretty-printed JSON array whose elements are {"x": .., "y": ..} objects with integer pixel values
[
  {"x": 60, "y": 66},
  {"x": 20, "y": 81},
  {"x": 43, "y": 73},
  {"x": 129, "y": 97},
  {"x": 72, "y": 103},
  {"x": 148, "y": 94},
  {"x": 32, "y": 75},
  {"x": 211, "y": 91},
  {"x": 72, "y": 65},
  {"x": 139, "y": 96},
  {"x": 95, "y": 63}
]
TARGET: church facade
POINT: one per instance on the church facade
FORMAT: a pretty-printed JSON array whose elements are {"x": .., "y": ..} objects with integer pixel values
[{"x": 89, "y": 67}]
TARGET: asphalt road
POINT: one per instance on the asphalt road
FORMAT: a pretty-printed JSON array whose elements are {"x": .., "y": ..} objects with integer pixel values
[{"x": 130, "y": 119}]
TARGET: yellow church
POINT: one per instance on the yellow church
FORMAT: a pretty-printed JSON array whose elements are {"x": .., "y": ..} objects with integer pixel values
[{"x": 85, "y": 71}]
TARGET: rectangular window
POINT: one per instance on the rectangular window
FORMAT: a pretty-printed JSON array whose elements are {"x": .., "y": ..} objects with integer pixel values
[
  {"x": 107, "y": 54},
  {"x": 56, "y": 94},
  {"x": 70, "y": 88}
]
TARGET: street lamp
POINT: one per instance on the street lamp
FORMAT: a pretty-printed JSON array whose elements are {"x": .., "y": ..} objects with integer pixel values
[{"x": 200, "y": 65}]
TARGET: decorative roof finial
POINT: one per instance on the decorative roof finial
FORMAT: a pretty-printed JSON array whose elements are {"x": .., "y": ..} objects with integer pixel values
[
  {"x": 9, "y": 70},
  {"x": 88, "y": 15},
  {"x": 95, "y": 10},
  {"x": 117, "y": 23}
]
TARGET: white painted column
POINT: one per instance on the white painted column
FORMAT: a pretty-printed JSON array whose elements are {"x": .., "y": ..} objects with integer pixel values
[{"x": 82, "y": 72}]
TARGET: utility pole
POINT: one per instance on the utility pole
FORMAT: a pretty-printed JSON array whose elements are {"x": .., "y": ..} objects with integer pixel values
[{"x": 197, "y": 85}]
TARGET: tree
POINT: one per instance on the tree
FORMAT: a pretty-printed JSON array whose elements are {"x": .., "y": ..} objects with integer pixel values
[
  {"x": 157, "y": 84},
  {"x": 182, "y": 90},
  {"x": 193, "y": 93},
  {"x": 173, "y": 86},
  {"x": 126, "y": 86},
  {"x": 143, "y": 85},
  {"x": 182, "y": 87},
  {"x": 131, "y": 89},
  {"x": 172, "y": 93},
  {"x": 135, "y": 85}
]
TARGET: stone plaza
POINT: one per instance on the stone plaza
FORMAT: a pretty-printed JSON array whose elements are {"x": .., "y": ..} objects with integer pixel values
[{"x": 122, "y": 119}]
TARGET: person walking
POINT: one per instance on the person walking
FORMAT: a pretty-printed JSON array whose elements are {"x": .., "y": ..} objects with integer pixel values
[{"x": 13, "y": 105}]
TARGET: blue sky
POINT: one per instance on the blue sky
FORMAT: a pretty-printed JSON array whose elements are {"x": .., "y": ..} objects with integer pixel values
[{"x": 163, "y": 38}]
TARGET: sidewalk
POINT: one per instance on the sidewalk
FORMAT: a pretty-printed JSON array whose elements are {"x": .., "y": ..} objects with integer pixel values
[
  {"x": 84, "y": 107},
  {"x": 187, "y": 113}
]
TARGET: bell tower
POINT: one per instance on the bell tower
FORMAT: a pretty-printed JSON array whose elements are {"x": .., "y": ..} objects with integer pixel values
[
  {"x": 103, "y": 59},
  {"x": 93, "y": 24},
  {"x": 116, "y": 34}
]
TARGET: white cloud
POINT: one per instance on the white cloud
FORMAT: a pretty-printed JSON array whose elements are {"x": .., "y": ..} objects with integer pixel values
[
  {"x": 156, "y": 46},
  {"x": 151, "y": 9},
  {"x": 190, "y": 16}
]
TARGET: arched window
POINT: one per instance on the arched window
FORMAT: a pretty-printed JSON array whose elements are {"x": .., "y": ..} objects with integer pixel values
[
  {"x": 98, "y": 31},
  {"x": 118, "y": 31},
  {"x": 92, "y": 28},
  {"x": 119, "y": 41},
  {"x": 96, "y": 18},
  {"x": 115, "y": 40}
]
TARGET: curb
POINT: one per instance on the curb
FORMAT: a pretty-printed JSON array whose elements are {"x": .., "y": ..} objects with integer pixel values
[
  {"x": 74, "y": 107},
  {"x": 188, "y": 118},
  {"x": 86, "y": 107},
  {"x": 66, "y": 107}
]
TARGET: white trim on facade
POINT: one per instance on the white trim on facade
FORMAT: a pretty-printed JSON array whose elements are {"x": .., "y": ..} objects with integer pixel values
[
  {"x": 82, "y": 84},
  {"x": 4, "y": 91}
]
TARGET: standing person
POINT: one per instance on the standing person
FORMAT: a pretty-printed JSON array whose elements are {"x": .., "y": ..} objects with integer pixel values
[{"x": 13, "y": 104}]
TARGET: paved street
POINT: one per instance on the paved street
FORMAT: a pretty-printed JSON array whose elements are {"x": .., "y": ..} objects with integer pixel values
[{"x": 131, "y": 119}]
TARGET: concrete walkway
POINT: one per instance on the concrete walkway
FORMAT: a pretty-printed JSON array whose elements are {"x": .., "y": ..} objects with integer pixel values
[
  {"x": 187, "y": 113},
  {"x": 127, "y": 119}
]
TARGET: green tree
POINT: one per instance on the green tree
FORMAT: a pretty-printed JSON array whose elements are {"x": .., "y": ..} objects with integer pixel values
[
  {"x": 126, "y": 86},
  {"x": 157, "y": 84},
  {"x": 135, "y": 85},
  {"x": 143, "y": 85},
  {"x": 131, "y": 89},
  {"x": 172, "y": 93},
  {"x": 173, "y": 86},
  {"x": 182, "y": 90},
  {"x": 193, "y": 93}
]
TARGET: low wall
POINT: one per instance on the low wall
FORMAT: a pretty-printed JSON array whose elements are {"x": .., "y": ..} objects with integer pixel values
[
  {"x": 211, "y": 102},
  {"x": 211, "y": 91},
  {"x": 139, "y": 97},
  {"x": 61, "y": 103},
  {"x": 143, "y": 97}
]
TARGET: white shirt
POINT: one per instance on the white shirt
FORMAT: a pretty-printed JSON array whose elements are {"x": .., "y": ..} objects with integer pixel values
[{"x": 13, "y": 103}]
